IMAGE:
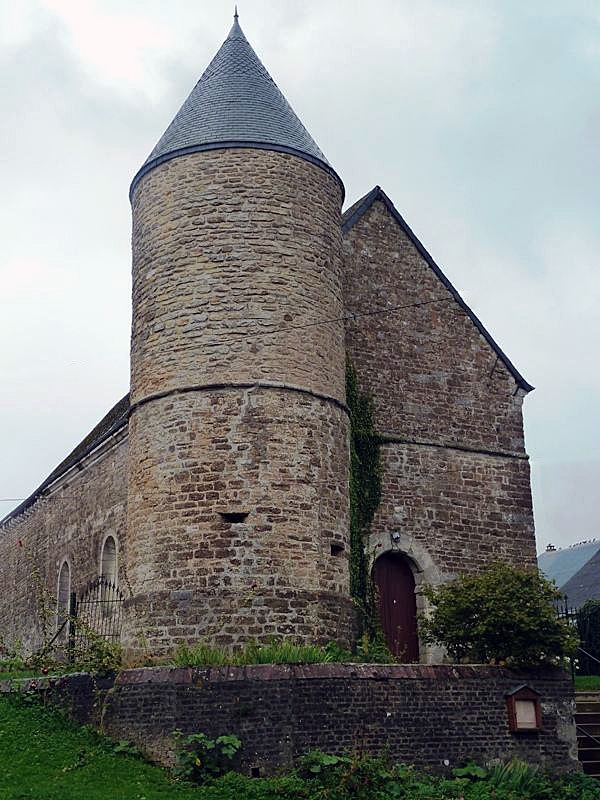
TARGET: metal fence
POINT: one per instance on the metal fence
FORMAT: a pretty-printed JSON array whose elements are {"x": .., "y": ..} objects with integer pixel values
[
  {"x": 584, "y": 663},
  {"x": 95, "y": 612}
]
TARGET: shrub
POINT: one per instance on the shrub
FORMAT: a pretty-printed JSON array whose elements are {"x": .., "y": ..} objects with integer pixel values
[
  {"x": 502, "y": 615},
  {"x": 199, "y": 758}
]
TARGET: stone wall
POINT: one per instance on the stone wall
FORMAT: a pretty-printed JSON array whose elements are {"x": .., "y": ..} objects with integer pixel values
[
  {"x": 237, "y": 403},
  {"x": 456, "y": 489},
  {"x": 435, "y": 717},
  {"x": 236, "y": 255},
  {"x": 70, "y": 522},
  {"x": 466, "y": 509},
  {"x": 277, "y": 456},
  {"x": 433, "y": 376}
]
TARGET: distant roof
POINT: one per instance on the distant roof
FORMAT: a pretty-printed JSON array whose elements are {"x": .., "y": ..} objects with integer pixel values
[
  {"x": 585, "y": 584},
  {"x": 355, "y": 212},
  {"x": 235, "y": 103},
  {"x": 561, "y": 565},
  {"x": 109, "y": 424}
]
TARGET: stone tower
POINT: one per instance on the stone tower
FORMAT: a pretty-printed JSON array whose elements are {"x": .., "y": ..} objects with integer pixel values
[{"x": 238, "y": 434}]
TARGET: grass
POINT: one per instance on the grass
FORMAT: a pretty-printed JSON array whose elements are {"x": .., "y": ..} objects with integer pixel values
[
  {"x": 587, "y": 683},
  {"x": 7, "y": 674},
  {"x": 276, "y": 652},
  {"x": 43, "y": 756}
]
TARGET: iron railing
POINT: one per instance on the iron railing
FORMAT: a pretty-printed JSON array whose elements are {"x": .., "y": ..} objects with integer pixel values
[
  {"x": 587, "y": 664},
  {"x": 95, "y": 612}
]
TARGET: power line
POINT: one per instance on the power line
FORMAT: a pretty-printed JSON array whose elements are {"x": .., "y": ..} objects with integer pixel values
[{"x": 348, "y": 317}]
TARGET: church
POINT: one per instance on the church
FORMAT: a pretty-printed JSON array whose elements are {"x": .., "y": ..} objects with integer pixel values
[{"x": 215, "y": 495}]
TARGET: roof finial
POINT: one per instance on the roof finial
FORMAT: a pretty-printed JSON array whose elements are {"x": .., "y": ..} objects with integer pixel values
[{"x": 235, "y": 15}]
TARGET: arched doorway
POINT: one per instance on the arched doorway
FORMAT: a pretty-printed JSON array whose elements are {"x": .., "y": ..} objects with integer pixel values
[{"x": 395, "y": 584}]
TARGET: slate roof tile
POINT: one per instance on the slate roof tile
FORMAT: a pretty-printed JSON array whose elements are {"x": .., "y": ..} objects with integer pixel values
[{"x": 235, "y": 103}]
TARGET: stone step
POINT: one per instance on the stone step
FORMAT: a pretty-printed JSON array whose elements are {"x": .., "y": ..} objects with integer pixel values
[
  {"x": 586, "y": 742},
  {"x": 588, "y": 706},
  {"x": 588, "y": 753},
  {"x": 587, "y": 718},
  {"x": 591, "y": 768},
  {"x": 587, "y": 697}
]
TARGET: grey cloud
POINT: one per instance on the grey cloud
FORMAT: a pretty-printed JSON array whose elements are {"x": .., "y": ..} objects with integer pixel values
[{"x": 479, "y": 119}]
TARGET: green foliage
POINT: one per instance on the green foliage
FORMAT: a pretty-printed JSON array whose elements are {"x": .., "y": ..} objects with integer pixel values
[
  {"x": 285, "y": 652},
  {"x": 517, "y": 777},
  {"x": 12, "y": 659},
  {"x": 365, "y": 495},
  {"x": 316, "y": 761},
  {"x": 587, "y": 683},
  {"x": 199, "y": 758},
  {"x": 45, "y": 757},
  {"x": 470, "y": 770},
  {"x": 503, "y": 615},
  {"x": 588, "y": 628},
  {"x": 202, "y": 655},
  {"x": 373, "y": 778},
  {"x": 97, "y": 654},
  {"x": 275, "y": 652},
  {"x": 127, "y": 748},
  {"x": 371, "y": 650},
  {"x": 341, "y": 777}
]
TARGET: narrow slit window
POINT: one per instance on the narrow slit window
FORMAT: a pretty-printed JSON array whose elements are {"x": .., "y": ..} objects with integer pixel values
[
  {"x": 63, "y": 595},
  {"x": 108, "y": 561},
  {"x": 233, "y": 516}
]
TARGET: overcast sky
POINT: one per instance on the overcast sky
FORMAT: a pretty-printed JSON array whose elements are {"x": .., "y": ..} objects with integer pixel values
[{"x": 481, "y": 120}]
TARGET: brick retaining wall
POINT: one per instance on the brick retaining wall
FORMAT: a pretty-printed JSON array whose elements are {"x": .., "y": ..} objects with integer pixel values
[{"x": 433, "y": 716}]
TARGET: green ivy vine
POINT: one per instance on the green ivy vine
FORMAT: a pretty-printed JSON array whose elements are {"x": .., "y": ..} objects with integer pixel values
[{"x": 365, "y": 495}]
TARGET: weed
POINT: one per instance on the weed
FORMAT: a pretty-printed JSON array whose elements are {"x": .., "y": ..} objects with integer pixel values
[{"x": 200, "y": 758}]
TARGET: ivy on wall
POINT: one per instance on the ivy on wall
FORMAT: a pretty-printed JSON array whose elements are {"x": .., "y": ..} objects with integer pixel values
[{"x": 365, "y": 494}]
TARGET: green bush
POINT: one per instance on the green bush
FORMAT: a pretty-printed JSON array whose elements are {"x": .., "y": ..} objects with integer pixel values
[
  {"x": 330, "y": 777},
  {"x": 503, "y": 615},
  {"x": 200, "y": 758}
]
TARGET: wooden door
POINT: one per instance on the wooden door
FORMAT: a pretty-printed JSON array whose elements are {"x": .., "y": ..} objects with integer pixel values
[{"x": 397, "y": 606}]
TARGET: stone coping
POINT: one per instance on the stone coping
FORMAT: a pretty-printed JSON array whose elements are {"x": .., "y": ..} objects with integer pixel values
[
  {"x": 282, "y": 672},
  {"x": 279, "y": 672}
]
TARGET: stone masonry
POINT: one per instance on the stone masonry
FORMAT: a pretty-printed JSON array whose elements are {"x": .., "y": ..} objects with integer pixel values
[
  {"x": 456, "y": 487},
  {"x": 70, "y": 524},
  {"x": 438, "y": 717},
  {"x": 237, "y": 403}
]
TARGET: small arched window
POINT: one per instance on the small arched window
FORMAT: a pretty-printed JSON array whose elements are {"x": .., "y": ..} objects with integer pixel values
[
  {"x": 63, "y": 594},
  {"x": 108, "y": 560}
]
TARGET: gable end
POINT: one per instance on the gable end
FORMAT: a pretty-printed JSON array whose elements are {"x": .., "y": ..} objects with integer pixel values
[{"x": 357, "y": 211}]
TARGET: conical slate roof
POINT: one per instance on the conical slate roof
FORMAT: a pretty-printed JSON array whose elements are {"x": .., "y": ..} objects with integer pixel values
[{"x": 235, "y": 103}]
